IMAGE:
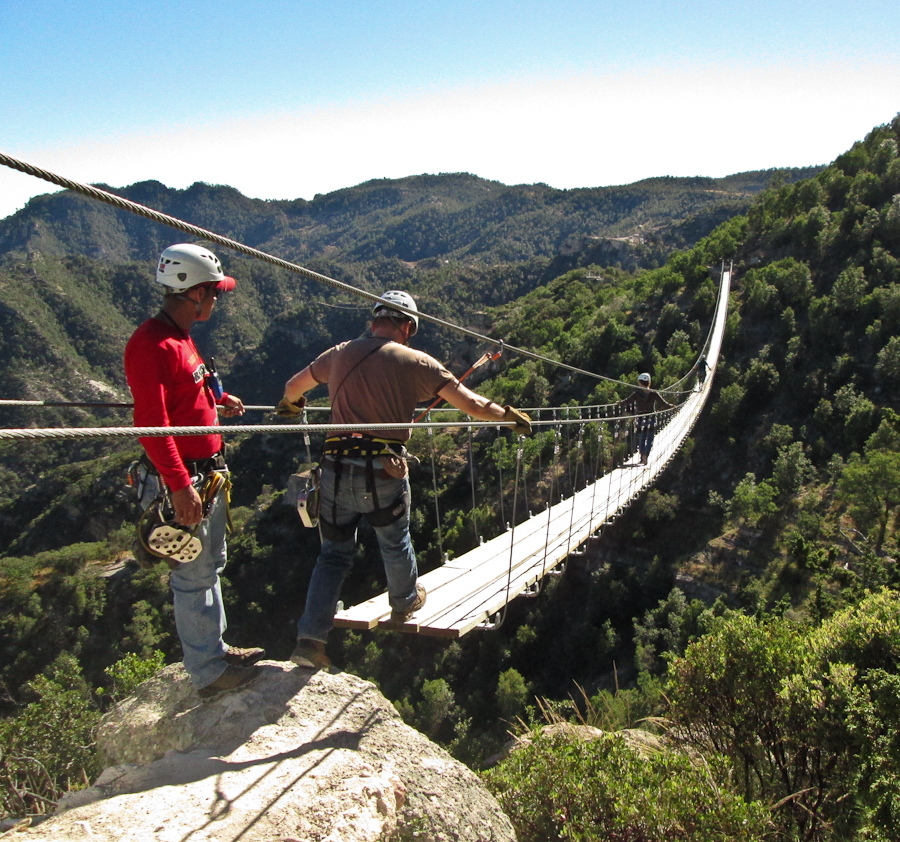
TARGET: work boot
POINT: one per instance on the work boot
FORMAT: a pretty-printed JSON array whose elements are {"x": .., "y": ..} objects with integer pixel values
[
  {"x": 233, "y": 677},
  {"x": 401, "y": 616},
  {"x": 243, "y": 657},
  {"x": 310, "y": 654}
]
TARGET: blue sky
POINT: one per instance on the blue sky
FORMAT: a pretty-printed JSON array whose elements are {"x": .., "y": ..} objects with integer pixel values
[{"x": 286, "y": 99}]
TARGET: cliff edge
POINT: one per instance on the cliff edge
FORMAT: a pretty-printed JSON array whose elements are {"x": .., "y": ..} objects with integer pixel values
[{"x": 293, "y": 756}]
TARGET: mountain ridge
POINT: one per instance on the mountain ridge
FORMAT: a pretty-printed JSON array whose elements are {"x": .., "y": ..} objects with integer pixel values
[{"x": 407, "y": 218}]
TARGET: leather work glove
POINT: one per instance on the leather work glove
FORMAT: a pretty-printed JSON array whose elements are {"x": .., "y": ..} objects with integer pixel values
[
  {"x": 286, "y": 409},
  {"x": 522, "y": 421}
]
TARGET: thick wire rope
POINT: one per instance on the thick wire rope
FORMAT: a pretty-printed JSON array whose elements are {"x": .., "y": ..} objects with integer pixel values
[
  {"x": 234, "y": 245},
  {"x": 312, "y": 408},
  {"x": 99, "y": 405},
  {"x": 152, "y": 432}
]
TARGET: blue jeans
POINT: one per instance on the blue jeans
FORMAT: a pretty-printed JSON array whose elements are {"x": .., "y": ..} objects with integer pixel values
[
  {"x": 197, "y": 595},
  {"x": 645, "y": 429},
  {"x": 336, "y": 557}
]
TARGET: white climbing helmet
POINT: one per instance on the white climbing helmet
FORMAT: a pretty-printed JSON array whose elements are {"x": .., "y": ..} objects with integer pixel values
[
  {"x": 644, "y": 378},
  {"x": 185, "y": 265},
  {"x": 404, "y": 299}
]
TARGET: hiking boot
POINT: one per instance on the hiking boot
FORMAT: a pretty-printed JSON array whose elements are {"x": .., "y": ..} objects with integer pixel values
[
  {"x": 401, "y": 616},
  {"x": 233, "y": 677},
  {"x": 243, "y": 657},
  {"x": 310, "y": 654}
]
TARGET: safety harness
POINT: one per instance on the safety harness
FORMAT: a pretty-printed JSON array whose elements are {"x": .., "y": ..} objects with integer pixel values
[
  {"x": 158, "y": 534},
  {"x": 392, "y": 455}
]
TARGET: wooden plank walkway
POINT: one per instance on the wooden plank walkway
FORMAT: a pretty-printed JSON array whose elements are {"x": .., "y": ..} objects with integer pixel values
[{"x": 465, "y": 592}]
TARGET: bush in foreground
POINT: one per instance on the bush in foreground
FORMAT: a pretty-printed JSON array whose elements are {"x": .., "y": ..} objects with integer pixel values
[{"x": 603, "y": 790}]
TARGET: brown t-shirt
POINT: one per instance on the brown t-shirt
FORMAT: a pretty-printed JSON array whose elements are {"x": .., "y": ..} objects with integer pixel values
[
  {"x": 644, "y": 401},
  {"x": 372, "y": 380}
]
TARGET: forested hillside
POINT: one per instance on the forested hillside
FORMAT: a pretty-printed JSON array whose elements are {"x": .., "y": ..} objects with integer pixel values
[
  {"x": 748, "y": 602},
  {"x": 449, "y": 216}
]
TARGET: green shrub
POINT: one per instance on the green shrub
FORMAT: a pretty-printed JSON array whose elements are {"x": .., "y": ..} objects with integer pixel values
[
  {"x": 132, "y": 671},
  {"x": 807, "y": 715},
  {"x": 49, "y": 747},
  {"x": 726, "y": 408},
  {"x": 560, "y": 787},
  {"x": 752, "y": 501}
]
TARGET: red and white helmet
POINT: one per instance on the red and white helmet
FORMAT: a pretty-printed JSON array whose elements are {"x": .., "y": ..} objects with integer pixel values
[
  {"x": 404, "y": 299},
  {"x": 186, "y": 265}
]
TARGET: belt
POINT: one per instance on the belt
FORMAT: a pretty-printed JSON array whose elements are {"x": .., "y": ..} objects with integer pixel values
[
  {"x": 362, "y": 446},
  {"x": 350, "y": 470},
  {"x": 216, "y": 462}
]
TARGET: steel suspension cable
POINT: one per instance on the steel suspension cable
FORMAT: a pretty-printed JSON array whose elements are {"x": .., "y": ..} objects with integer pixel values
[
  {"x": 234, "y": 245},
  {"x": 148, "y": 432}
]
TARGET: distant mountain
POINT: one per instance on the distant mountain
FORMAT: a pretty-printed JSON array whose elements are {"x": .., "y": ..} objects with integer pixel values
[{"x": 449, "y": 216}]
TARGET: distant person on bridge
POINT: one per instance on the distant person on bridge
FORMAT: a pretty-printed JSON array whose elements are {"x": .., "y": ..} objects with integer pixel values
[
  {"x": 172, "y": 386},
  {"x": 701, "y": 367},
  {"x": 642, "y": 402},
  {"x": 373, "y": 379}
]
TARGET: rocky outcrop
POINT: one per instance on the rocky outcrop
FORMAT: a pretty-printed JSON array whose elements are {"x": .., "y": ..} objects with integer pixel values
[{"x": 294, "y": 756}]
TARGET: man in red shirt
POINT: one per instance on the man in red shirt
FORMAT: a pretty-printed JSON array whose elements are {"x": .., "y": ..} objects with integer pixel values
[{"x": 172, "y": 386}]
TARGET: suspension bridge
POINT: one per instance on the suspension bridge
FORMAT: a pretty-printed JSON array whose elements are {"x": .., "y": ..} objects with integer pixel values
[{"x": 473, "y": 590}]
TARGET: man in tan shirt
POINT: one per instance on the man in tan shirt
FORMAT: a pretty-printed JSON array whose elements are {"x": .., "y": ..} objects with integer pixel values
[{"x": 373, "y": 379}]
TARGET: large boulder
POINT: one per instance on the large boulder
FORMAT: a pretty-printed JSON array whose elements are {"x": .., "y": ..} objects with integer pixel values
[{"x": 294, "y": 756}]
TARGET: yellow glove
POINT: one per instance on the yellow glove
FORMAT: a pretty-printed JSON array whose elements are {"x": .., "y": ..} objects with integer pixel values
[
  {"x": 522, "y": 421},
  {"x": 286, "y": 409}
]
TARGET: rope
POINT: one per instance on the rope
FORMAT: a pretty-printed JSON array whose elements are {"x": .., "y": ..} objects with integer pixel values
[
  {"x": 498, "y": 445},
  {"x": 512, "y": 536},
  {"x": 472, "y": 482},
  {"x": 97, "y": 405},
  {"x": 554, "y": 472},
  {"x": 148, "y": 432},
  {"x": 234, "y": 245},
  {"x": 437, "y": 504}
]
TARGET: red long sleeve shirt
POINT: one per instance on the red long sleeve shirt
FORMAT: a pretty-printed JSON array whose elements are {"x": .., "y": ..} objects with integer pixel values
[{"x": 167, "y": 378}]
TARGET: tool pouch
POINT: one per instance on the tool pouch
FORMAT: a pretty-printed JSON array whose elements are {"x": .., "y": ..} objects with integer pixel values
[
  {"x": 308, "y": 496},
  {"x": 394, "y": 466}
]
